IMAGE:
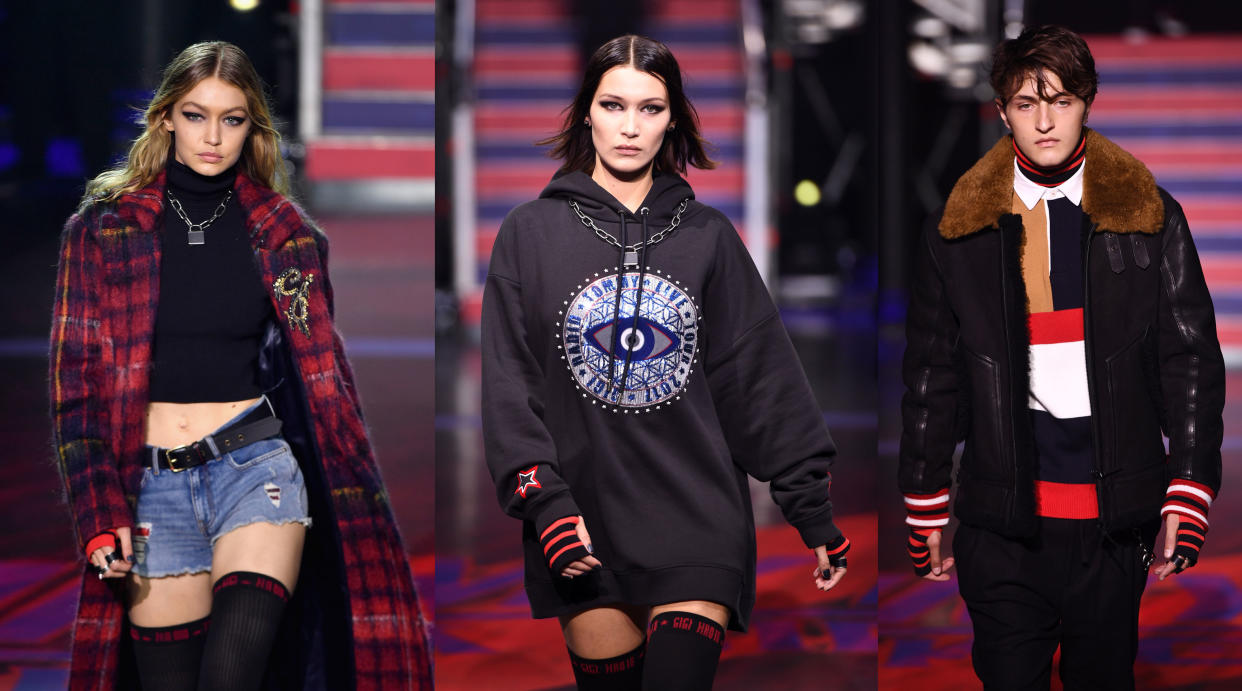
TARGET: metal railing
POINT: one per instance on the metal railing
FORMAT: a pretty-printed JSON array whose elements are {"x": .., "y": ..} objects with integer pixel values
[
  {"x": 465, "y": 216},
  {"x": 756, "y": 165},
  {"x": 310, "y": 69}
]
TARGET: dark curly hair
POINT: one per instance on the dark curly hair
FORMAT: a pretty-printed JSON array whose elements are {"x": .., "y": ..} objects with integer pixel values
[{"x": 1040, "y": 50}]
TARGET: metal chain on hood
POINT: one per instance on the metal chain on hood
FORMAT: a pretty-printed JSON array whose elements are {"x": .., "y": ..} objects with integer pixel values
[{"x": 639, "y": 250}]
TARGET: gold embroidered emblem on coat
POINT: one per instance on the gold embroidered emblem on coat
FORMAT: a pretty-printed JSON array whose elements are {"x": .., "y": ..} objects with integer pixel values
[{"x": 293, "y": 285}]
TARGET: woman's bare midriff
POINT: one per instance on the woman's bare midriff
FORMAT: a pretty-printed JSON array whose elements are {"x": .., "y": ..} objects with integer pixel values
[{"x": 170, "y": 425}]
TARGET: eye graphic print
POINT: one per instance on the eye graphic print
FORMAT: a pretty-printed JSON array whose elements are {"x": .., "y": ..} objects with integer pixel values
[
  {"x": 646, "y": 340},
  {"x": 658, "y": 347}
]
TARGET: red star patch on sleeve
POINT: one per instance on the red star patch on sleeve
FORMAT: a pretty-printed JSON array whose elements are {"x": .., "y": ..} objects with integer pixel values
[{"x": 526, "y": 480}]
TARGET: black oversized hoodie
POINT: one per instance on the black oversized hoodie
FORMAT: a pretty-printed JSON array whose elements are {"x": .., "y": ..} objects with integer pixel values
[{"x": 706, "y": 390}]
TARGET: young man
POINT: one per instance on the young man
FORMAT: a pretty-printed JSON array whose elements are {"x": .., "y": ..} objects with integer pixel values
[{"x": 1059, "y": 322}]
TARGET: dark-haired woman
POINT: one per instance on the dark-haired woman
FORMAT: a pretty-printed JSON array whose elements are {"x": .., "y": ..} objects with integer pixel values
[
  {"x": 635, "y": 371},
  {"x": 204, "y": 416}
]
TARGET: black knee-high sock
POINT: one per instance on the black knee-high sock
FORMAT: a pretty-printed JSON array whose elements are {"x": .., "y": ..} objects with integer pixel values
[
  {"x": 682, "y": 652},
  {"x": 168, "y": 657},
  {"x": 621, "y": 673},
  {"x": 245, "y": 614}
]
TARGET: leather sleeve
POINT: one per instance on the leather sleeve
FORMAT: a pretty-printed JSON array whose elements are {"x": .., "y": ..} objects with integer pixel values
[
  {"x": 1192, "y": 370},
  {"x": 930, "y": 412}
]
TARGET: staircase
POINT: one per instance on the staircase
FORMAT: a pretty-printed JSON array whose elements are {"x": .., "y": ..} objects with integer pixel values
[
  {"x": 375, "y": 148},
  {"x": 527, "y": 70},
  {"x": 1175, "y": 104}
]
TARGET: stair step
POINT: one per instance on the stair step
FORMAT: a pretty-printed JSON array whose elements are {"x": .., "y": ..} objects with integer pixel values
[
  {"x": 1110, "y": 51},
  {"x": 1214, "y": 128},
  {"x": 1230, "y": 242},
  {"x": 379, "y": 69},
  {"x": 1171, "y": 98},
  {"x": 1224, "y": 76},
  {"x": 351, "y": 158},
  {"x": 531, "y": 10},
  {"x": 377, "y": 113},
  {"x": 537, "y": 63},
  {"x": 680, "y": 35},
  {"x": 426, "y": 5},
  {"x": 377, "y": 24}
]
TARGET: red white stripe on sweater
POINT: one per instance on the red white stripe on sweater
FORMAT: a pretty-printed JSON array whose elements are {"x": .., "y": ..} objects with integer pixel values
[
  {"x": 928, "y": 510},
  {"x": 1188, "y": 499}
]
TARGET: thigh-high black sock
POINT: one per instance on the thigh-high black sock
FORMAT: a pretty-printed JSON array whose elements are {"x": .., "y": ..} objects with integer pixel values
[
  {"x": 621, "y": 673},
  {"x": 245, "y": 614},
  {"x": 682, "y": 652},
  {"x": 168, "y": 657}
]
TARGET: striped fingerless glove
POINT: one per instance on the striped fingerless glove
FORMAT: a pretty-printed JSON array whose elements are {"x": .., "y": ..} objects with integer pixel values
[
  {"x": 1190, "y": 500},
  {"x": 560, "y": 542},
  {"x": 925, "y": 514},
  {"x": 836, "y": 552}
]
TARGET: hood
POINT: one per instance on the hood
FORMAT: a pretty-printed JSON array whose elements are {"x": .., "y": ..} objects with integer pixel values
[
  {"x": 1118, "y": 192},
  {"x": 667, "y": 191}
]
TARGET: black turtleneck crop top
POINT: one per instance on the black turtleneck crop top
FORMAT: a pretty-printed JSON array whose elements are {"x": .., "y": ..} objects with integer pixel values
[{"x": 212, "y": 305}]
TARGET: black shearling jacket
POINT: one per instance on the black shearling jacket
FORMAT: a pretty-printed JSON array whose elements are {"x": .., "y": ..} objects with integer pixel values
[{"x": 1154, "y": 363}]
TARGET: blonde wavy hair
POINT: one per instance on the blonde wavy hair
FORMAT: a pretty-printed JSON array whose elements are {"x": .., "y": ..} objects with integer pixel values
[{"x": 260, "y": 159}]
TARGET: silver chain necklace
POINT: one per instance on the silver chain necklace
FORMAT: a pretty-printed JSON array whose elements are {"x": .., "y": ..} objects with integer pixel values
[
  {"x": 194, "y": 234},
  {"x": 630, "y": 249}
]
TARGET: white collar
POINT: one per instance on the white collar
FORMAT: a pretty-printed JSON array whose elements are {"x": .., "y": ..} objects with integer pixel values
[{"x": 1030, "y": 193}]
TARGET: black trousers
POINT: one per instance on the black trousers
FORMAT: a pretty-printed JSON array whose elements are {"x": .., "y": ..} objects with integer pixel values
[{"x": 1070, "y": 586}]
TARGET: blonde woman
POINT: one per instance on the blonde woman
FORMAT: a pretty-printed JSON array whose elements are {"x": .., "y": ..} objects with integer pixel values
[{"x": 205, "y": 417}]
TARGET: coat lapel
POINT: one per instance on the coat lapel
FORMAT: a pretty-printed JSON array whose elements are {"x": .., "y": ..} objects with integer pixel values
[{"x": 1119, "y": 193}]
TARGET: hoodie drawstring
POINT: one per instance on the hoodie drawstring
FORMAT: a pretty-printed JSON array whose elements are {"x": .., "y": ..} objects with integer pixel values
[
  {"x": 638, "y": 299},
  {"x": 616, "y": 308}
]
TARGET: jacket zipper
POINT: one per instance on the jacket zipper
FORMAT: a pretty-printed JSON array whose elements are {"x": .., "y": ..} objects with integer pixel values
[
  {"x": 1090, "y": 362},
  {"x": 1013, "y": 414}
]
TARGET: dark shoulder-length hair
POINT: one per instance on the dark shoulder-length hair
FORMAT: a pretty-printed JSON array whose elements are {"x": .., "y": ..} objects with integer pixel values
[{"x": 682, "y": 145}]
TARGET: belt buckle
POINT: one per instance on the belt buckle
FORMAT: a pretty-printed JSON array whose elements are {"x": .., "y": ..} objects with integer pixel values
[{"x": 172, "y": 463}]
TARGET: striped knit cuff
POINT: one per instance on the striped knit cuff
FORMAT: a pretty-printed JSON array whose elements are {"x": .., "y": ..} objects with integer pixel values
[
  {"x": 919, "y": 553},
  {"x": 560, "y": 543},
  {"x": 925, "y": 511},
  {"x": 836, "y": 552},
  {"x": 1190, "y": 501},
  {"x": 925, "y": 514}
]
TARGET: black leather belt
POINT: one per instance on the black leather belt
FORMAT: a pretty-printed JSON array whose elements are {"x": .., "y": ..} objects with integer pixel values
[{"x": 259, "y": 424}]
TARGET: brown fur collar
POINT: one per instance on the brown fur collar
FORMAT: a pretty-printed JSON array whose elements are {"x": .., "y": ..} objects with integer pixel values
[{"x": 1119, "y": 193}]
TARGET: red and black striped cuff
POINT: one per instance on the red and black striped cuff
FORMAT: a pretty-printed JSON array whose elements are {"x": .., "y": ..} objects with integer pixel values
[
  {"x": 927, "y": 510},
  {"x": 919, "y": 553},
  {"x": 561, "y": 545},
  {"x": 837, "y": 550},
  {"x": 1190, "y": 501}
]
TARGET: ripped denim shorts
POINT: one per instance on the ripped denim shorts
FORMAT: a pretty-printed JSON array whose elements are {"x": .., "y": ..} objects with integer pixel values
[{"x": 180, "y": 515}]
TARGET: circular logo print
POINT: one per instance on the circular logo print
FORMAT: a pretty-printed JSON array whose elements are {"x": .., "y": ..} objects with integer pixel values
[{"x": 650, "y": 357}]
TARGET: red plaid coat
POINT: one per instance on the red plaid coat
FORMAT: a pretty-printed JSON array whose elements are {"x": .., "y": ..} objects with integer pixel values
[{"x": 106, "y": 296}]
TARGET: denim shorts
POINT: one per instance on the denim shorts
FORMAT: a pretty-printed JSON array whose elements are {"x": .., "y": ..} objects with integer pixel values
[{"x": 181, "y": 515}]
